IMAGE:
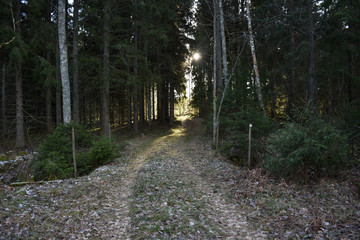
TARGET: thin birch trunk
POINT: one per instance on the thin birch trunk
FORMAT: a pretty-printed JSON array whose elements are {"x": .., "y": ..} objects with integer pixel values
[
  {"x": 256, "y": 69},
  {"x": 64, "y": 68},
  {"x": 153, "y": 100},
  {"x": 76, "y": 109},
  {"x": 225, "y": 67}
]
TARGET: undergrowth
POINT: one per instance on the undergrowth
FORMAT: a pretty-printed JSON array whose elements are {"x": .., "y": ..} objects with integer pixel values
[
  {"x": 306, "y": 147},
  {"x": 55, "y": 158}
]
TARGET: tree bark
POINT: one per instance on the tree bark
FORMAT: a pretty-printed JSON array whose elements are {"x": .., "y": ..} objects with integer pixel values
[
  {"x": 312, "y": 80},
  {"x": 148, "y": 102},
  {"x": 291, "y": 86},
  {"x": 64, "y": 68},
  {"x": 135, "y": 89},
  {"x": 153, "y": 101},
  {"x": 76, "y": 108},
  {"x": 141, "y": 105},
  {"x": 48, "y": 98},
  {"x": 105, "y": 116},
  {"x": 219, "y": 71},
  {"x": 253, "y": 52},
  {"x": 215, "y": 63},
  {"x": 3, "y": 97},
  {"x": 172, "y": 100},
  {"x": 48, "y": 77},
  {"x": 225, "y": 67},
  {"x": 129, "y": 110},
  {"x": 148, "y": 93},
  {"x": 20, "y": 140},
  {"x": 58, "y": 89}
]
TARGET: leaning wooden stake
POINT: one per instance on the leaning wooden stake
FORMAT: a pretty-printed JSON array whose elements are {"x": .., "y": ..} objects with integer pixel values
[
  {"x": 74, "y": 152},
  {"x": 249, "y": 155}
]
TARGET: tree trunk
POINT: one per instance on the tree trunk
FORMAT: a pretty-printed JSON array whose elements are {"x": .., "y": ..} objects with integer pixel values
[
  {"x": 164, "y": 102},
  {"x": 291, "y": 86},
  {"x": 148, "y": 102},
  {"x": 58, "y": 89},
  {"x": 215, "y": 63},
  {"x": 48, "y": 77},
  {"x": 172, "y": 100},
  {"x": 256, "y": 70},
  {"x": 135, "y": 89},
  {"x": 148, "y": 92},
  {"x": 76, "y": 108},
  {"x": 225, "y": 67},
  {"x": 153, "y": 100},
  {"x": 105, "y": 116},
  {"x": 219, "y": 71},
  {"x": 48, "y": 98},
  {"x": 3, "y": 97},
  {"x": 64, "y": 68},
  {"x": 20, "y": 140},
  {"x": 129, "y": 110},
  {"x": 312, "y": 80},
  {"x": 141, "y": 105}
]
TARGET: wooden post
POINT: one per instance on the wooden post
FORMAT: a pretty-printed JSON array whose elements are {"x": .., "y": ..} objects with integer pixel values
[
  {"x": 249, "y": 155},
  {"x": 74, "y": 152}
]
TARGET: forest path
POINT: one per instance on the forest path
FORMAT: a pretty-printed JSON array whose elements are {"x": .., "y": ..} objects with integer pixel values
[
  {"x": 174, "y": 196},
  {"x": 165, "y": 186}
]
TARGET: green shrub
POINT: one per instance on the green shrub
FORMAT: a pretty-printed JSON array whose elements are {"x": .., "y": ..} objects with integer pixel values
[
  {"x": 101, "y": 152},
  {"x": 55, "y": 158},
  {"x": 236, "y": 126},
  {"x": 306, "y": 148}
]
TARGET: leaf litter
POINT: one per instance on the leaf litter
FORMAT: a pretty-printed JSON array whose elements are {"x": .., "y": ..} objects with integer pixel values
[{"x": 174, "y": 186}]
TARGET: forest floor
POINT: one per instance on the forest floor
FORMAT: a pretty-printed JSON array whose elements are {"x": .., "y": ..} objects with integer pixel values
[{"x": 172, "y": 185}]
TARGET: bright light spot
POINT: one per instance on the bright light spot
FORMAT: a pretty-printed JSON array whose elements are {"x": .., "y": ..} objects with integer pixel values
[{"x": 196, "y": 56}]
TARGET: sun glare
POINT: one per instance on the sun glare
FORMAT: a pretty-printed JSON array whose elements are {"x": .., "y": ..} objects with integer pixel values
[{"x": 196, "y": 56}]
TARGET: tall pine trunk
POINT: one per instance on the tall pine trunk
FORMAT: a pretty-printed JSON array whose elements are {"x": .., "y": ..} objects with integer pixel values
[
  {"x": 48, "y": 77},
  {"x": 215, "y": 63},
  {"x": 20, "y": 140},
  {"x": 48, "y": 98},
  {"x": 64, "y": 68},
  {"x": 135, "y": 88},
  {"x": 291, "y": 86},
  {"x": 105, "y": 116},
  {"x": 141, "y": 105},
  {"x": 76, "y": 108},
  {"x": 255, "y": 64}
]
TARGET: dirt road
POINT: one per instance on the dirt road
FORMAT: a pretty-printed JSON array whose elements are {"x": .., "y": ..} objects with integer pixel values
[{"x": 161, "y": 188}]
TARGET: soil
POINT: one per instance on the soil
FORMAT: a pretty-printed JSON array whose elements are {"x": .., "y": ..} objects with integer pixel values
[{"x": 173, "y": 185}]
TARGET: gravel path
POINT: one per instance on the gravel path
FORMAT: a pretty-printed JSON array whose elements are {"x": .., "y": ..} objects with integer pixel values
[
  {"x": 155, "y": 191},
  {"x": 172, "y": 185}
]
